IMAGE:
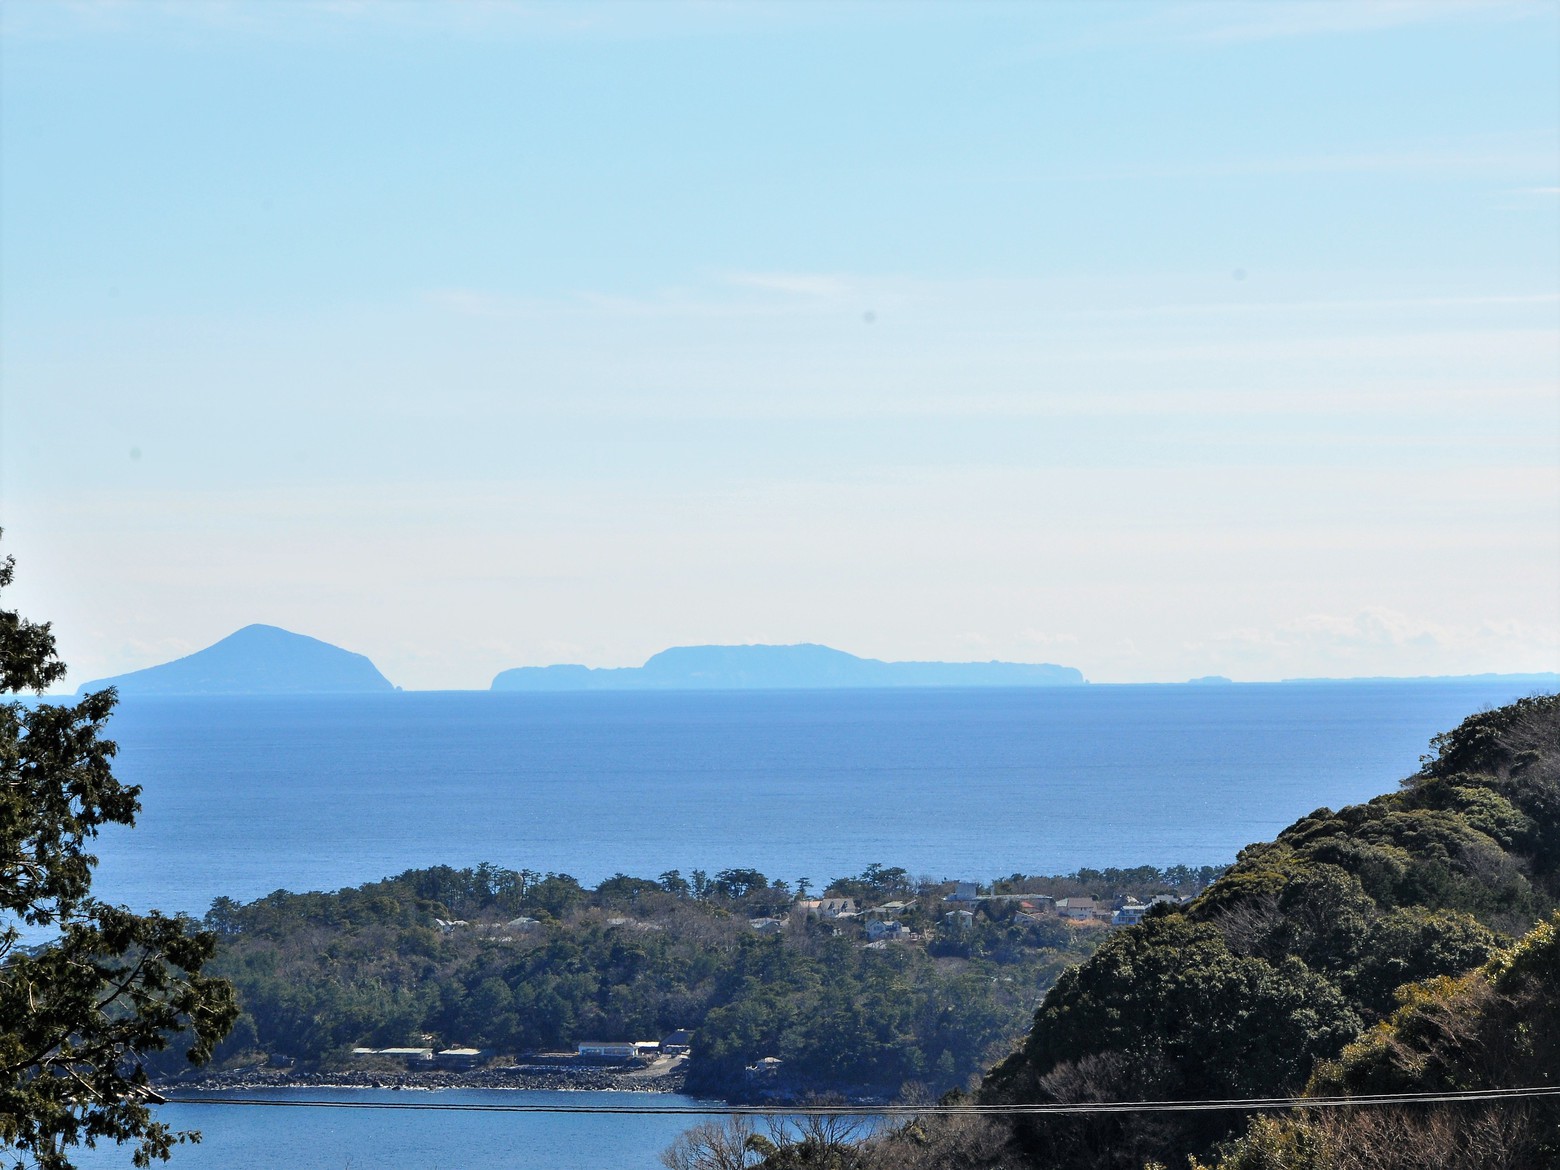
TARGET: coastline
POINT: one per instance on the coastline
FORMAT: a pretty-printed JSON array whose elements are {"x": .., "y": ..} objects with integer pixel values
[
  {"x": 521, "y": 1077},
  {"x": 534, "y": 1077}
]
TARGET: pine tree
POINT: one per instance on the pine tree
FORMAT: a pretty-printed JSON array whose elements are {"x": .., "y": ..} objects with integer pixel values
[{"x": 81, "y": 1013}]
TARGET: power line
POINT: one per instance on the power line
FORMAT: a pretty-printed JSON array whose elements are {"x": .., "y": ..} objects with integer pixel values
[{"x": 1368, "y": 1100}]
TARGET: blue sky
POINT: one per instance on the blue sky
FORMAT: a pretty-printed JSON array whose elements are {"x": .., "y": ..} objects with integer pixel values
[{"x": 1158, "y": 340}]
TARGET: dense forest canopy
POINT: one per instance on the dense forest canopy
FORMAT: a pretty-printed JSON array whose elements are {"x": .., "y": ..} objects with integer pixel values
[
  {"x": 517, "y": 961},
  {"x": 1304, "y": 945}
]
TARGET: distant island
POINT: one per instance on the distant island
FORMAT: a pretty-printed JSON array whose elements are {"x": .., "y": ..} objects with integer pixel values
[
  {"x": 803, "y": 667},
  {"x": 1541, "y": 679},
  {"x": 256, "y": 660}
]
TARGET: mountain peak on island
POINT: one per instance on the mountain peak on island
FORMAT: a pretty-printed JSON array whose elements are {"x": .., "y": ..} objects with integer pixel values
[
  {"x": 256, "y": 660},
  {"x": 806, "y": 666}
]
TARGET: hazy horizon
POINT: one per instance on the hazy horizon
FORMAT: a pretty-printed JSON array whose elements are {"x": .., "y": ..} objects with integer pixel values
[
  {"x": 70, "y": 686},
  {"x": 1156, "y": 340}
]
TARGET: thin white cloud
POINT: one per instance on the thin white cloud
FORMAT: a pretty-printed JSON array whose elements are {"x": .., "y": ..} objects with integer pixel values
[
  {"x": 1327, "y": 644},
  {"x": 1123, "y": 298},
  {"x": 1225, "y": 23},
  {"x": 1506, "y": 157},
  {"x": 818, "y": 285},
  {"x": 1212, "y": 25},
  {"x": 312, "y": 20}
]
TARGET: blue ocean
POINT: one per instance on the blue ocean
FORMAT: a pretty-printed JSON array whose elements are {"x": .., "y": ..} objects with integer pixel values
[
  {"x": 245, "y": 796},
  {"x": 274, "y": 1137}
]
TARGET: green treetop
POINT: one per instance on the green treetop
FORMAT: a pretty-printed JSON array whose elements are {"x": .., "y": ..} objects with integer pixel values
[{"x": 80, "y": 1015}]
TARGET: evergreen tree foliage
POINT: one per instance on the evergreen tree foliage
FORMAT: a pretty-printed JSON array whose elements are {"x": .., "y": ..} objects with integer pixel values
[
  {"x": 80, "y": 1015},
  {"x": 470, "y": 957},
  {"x": 1307, "y": 942},
  {"x": 1495, "y": 1027}
]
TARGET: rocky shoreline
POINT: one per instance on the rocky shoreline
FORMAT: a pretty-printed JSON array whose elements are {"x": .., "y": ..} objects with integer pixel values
[
  {"x": 583, "y": 1079},
  {"x": 507, "y": 1077}
]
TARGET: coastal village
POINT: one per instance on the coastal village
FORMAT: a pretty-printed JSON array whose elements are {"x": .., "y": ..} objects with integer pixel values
[{"x": 933, "y": 914}]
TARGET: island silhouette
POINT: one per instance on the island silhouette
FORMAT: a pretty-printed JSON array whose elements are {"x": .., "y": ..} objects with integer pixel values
[
  {"x": 268, "y": 660},
  {"x": 256, "y": 660},
  {"x": 801, "y": 667}
]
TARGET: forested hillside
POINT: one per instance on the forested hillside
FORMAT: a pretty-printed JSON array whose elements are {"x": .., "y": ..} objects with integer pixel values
[
  {"x": 1362, "y": 949},
  {"x": 514, "y": 962},
  {"x": 1495, "y": 1027}
]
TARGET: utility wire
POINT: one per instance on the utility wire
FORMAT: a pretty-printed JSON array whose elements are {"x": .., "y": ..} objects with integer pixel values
[{"x": 1074, "y": 1108}]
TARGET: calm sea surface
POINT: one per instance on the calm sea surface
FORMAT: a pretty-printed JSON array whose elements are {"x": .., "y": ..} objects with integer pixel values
[
  {"x": 273, "y": 1138},
  {"x": 245, "y": 796}
]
